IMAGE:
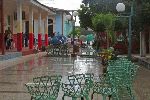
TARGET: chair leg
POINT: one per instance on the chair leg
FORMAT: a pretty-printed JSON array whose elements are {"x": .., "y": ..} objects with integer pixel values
[
  {"x": 63, "y": 97},
  {"x": 74, "y": 98},
  {"x": 109, "y": 97},
  {"x": 92, "y": 96},
  {"x": 31, "y": 98},
  {"x": 104, "y": 97},
  {"x": 86, "y": 97},
  {"x": 116, "y": 97},
  {"x": 82, "y": 98},
  {"x": 130, "y": 93}
]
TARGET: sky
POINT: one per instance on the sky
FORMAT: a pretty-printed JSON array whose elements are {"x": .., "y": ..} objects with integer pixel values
[{"x": 63, "y": 4}]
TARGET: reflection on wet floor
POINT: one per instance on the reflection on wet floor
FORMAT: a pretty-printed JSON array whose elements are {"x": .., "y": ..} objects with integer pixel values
[{"x": 12, "y": 79}]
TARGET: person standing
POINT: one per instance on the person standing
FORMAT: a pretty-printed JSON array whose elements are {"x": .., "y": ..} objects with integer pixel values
[
  {"x": 8, "y": 39},
  {"x": 26, "y": 37}
]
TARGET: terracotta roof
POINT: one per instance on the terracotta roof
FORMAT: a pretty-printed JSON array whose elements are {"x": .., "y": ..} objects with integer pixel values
[{"x": 43, "y": 5}]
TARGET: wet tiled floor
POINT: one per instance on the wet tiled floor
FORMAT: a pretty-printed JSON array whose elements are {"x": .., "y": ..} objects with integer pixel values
[
  {"x": 142, "y": 84},
  {"x": 12, "y": 79}
]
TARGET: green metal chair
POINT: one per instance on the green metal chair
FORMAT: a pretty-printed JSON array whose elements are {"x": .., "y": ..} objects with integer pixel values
[
  {"x": 64, "y": 50},
  {"x": 49, "y": 50},
  {"x": 118, "y": 81},
  {"x": 121, "y": 75},
  {"x": 56, "y": 50},
  {"x": 79, "y": 86},
  {"x": 44, "y": 87},
  {"x": 103, "y": 87}
]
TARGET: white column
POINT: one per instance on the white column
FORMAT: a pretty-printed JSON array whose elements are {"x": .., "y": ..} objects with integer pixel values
[
  {"x": 142, "y": 44},
  {"x": 19, "y": 16},
  {"x": 39, "y": 22},
  {"x": 54, "y": 24},
  {"x": 46, "y": 25},
  {"x": 30, "y": 19}
]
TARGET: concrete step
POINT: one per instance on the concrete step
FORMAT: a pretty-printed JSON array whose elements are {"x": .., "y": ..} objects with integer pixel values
[{"x": 10, "y": 55}]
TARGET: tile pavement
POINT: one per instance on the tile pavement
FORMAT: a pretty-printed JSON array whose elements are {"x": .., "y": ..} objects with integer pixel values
[{"x": 16, "y": 72}]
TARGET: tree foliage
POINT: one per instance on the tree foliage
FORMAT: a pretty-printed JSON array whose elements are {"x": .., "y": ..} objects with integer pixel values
[
  {"x": 141, "y": 10},
  {"x": 141, "y": 20},
  {"x": 85, "y": 16},
  {"x": 105, "y": 6},
  {"x": 90, "y": 8},
  {"x": 76, "y": 32},
  {"x": 145, "y": 13},
  {"x": 104, "y": 23},
  {"x": 118, "y": 26}
]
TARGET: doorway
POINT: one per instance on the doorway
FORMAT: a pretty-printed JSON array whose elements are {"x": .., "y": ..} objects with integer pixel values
[
  {"x": 50, "y": 28},
  {"x": 26, "y": 35}
]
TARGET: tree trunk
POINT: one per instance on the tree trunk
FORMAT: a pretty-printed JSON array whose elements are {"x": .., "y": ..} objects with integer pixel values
[{"x": 97, "y": 40}]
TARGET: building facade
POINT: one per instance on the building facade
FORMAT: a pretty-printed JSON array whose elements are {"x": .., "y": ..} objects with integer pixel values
[
  {"x": 30, "y": 21},
  {"x": 23, "y": 17},
  {"x": 62, "y": 25}
]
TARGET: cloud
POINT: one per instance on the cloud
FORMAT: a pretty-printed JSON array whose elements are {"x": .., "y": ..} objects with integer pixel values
[{"x": 63, "y": 4}]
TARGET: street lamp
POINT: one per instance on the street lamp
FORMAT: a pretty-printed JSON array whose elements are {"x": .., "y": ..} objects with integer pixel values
[
  {"x": 71, "y": 18},
  {"x": 121, "y": 8}
]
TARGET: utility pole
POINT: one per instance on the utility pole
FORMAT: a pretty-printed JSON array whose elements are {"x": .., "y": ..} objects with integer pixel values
[{"x": 130, "y": 30}]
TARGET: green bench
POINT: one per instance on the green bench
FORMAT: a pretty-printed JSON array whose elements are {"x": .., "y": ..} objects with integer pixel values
[
  {"x": 58, "y": 50},
  {"x": 118, "y": 80},
  {"x": 44, "y": 87},
  {"x": 78, "y": 86}
]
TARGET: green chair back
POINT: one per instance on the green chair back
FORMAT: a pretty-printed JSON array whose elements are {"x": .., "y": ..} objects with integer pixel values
[{"x": 44, "y": 87}]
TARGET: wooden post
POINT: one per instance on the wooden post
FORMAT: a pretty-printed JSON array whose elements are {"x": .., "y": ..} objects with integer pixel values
[{"x": 2, "y": 26}]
